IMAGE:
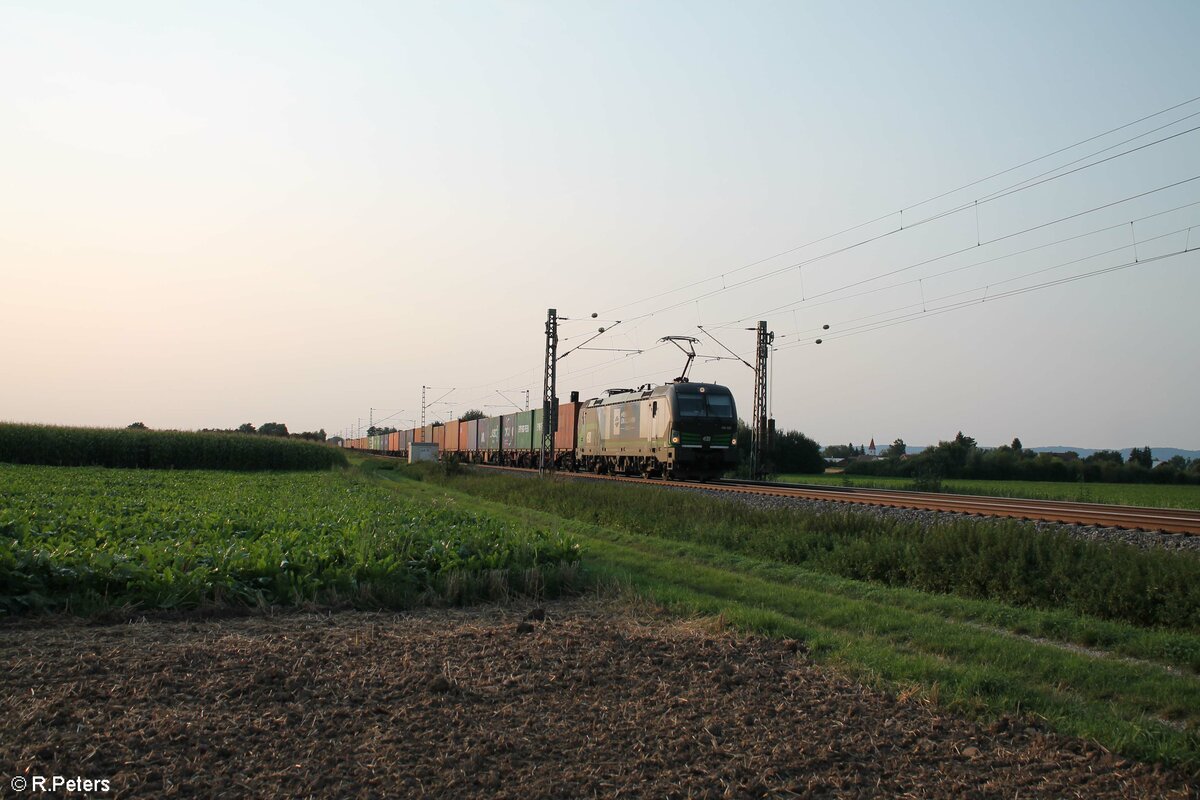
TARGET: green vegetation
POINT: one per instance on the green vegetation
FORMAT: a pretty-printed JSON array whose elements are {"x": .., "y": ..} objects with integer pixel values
[
  {"x": 87, "y": 539},
  {"x": 147, "y": 449},
  {"x": 1127, "y": 494},
  {"x": 974, "y": 656},
  {"x": 961, "y": 458},
  {"x": 1009, "y": 562},
  {"x": 792, "y": 451},
  {"x": 989, "y": 620}
]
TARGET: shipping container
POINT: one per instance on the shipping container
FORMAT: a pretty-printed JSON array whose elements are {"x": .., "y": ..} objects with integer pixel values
[
  {"x": 564, "y": 436},
  {"x": 524, "y": 435},
  {"x": 450, "y": 436},
  {"x": 467, "y": 432},
  {"x": 428, "y": 433},
  {"x": 508, "y": 432},
  {"x": 394, "y": 442},
  {"x": 489, "y": 434},
  {"x": 438, "y": 437}
]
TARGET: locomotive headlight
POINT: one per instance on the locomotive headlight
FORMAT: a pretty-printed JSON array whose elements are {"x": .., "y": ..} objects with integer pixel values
[
  {"x": 733, "y": 440},
  {"x": 674, "y": 437}
]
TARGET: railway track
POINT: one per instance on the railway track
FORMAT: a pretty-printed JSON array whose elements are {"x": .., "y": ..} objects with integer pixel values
[{"x": 1166, "y": 520}]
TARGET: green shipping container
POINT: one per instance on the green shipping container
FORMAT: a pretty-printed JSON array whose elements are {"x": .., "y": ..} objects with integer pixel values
[
  {"x": 508, "y": 432},
  {"x": 524, "y": 436}
]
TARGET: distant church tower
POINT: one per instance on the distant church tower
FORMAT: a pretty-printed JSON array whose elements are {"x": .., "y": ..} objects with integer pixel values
[{"x": 872, "y": 447}]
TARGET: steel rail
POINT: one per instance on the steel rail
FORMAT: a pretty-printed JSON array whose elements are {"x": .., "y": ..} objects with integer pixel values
[{"x": 1167, "y": 520}]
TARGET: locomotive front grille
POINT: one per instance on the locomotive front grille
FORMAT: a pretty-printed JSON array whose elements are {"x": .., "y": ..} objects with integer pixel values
[{"x": 719, "y": 440}]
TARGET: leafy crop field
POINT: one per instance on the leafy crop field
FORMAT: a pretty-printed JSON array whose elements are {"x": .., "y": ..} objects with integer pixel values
[
  {"x": 85, "y": 539},
  {"x": 1125, "y": 494},
  {"x": 146, "y": 449}
]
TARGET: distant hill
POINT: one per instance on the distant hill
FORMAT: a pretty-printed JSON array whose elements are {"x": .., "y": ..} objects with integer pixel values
[{"x": 1160, "y": 453}]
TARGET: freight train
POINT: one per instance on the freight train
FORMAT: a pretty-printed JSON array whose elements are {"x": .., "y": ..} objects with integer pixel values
[{"x": 678, "y": 430}]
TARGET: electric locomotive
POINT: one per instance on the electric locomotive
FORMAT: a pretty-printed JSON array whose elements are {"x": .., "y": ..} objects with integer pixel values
[{"x": 676, "y": 430}]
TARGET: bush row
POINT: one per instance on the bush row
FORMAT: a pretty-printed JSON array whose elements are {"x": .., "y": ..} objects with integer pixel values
[
  {"x": 961, "y": 458},
  {"x": 146, "y": 449}
]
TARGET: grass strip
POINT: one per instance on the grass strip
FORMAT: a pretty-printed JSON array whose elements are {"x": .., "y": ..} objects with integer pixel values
[
  {"x": 1124, "y": 494},
  {"x": 1083, "y": 592}
]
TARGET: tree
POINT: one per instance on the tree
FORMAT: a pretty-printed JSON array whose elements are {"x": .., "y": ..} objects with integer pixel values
[
  {"x": 138, "y": 426},
  {"x": 377, "y": 431},
  {"x": 1142, "y": 457},
  {"x": 1106, "y": 456},
  {"x": 1016, "y": 445},
  {"x": 792, "y": 451},
  {"x": 273, "y": 429},
  {"x": 246, "y": 427},
  {"x": 473, "y": 413},
  {"x": 896, "y": 449}
]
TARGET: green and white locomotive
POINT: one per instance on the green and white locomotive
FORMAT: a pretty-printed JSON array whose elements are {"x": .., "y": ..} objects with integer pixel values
[{"x": 677, "y": 430}]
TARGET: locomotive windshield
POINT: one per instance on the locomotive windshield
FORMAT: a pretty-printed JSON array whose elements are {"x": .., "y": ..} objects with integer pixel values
[{"x": 708, "y": 404}]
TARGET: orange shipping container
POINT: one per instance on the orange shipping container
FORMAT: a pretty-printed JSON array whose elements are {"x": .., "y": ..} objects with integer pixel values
[
  {"x": 439, "y": 437},
  {"x": 450, "y": 437},
  {"x": 564, "y": 435}
]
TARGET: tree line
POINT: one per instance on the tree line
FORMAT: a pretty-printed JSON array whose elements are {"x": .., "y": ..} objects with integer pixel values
[
  {"x": 266, "y": 429},
  {"x": 963, "y": 458}
]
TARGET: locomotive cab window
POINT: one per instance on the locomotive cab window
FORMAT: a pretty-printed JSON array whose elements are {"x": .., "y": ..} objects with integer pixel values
[
  {"x": 691, "y": 405},
  {"x": 654, "y": 409},
  {"x": 705, "y": 405},
  {"x": 720, "y": 405}
]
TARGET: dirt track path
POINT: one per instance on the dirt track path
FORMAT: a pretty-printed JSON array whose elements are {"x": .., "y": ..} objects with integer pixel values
[{"x": 588, "y": 702}]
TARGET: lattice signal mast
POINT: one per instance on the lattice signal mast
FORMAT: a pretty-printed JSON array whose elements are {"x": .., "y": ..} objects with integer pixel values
[
  {"x": 758, "y": 449},
  {"x": 549, "y": 401}
]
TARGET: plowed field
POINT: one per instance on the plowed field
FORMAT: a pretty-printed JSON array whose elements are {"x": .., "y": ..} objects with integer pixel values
[{"x": 589, "y": 701}]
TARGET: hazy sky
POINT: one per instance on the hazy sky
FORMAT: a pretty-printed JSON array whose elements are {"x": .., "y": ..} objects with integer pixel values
[{"x": 226, "y": 212}]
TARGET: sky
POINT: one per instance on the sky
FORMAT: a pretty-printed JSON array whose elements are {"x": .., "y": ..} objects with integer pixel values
[{"x": 224, "y": 212}]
